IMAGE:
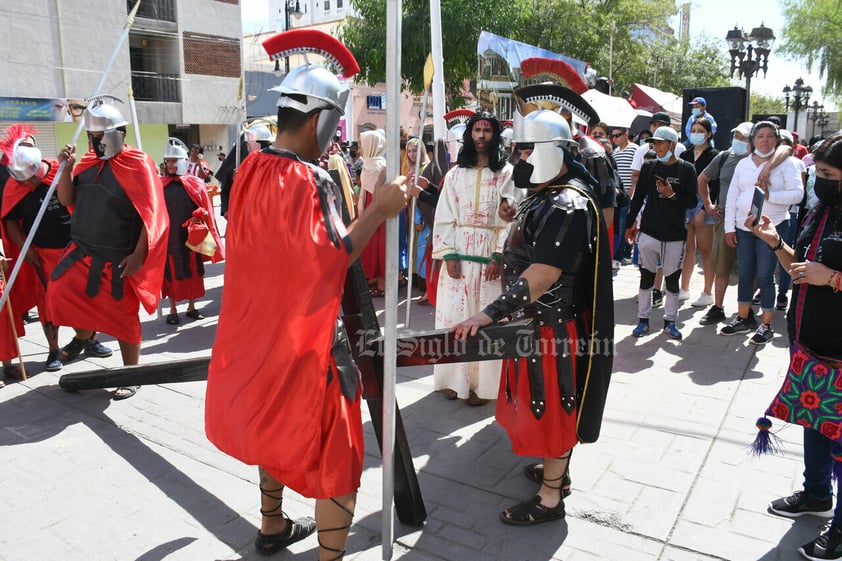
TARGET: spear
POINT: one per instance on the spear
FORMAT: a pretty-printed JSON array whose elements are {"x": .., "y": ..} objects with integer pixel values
[
  {"x": 428, "y": 80},
  {"x": 28, "y": 242}
]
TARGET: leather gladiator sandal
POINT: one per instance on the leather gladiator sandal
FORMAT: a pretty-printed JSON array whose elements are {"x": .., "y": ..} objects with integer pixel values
[
  {"x": 340, "y": 552},
  {"x": 535, "y": 472},
  {"x": 296, "y": 530},
  {"x": 532, "y": 511}
]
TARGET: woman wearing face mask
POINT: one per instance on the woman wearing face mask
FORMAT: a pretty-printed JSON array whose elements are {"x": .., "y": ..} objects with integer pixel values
[
  {"x": 783, "y": 189},
  {"x": 699, "y": 223},
  {"x": 815, "y": 268}
]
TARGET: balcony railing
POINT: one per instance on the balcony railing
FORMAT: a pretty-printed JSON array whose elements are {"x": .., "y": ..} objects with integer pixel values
[
  {"x": 163, "y": 10},
  {"x": 151, "y": 86}
]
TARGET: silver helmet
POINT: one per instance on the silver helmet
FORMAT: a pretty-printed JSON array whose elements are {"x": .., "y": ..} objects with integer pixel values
[
  {"x": 258, "y": 133},
  {"x": 25, "y": 161},
  {"x": 322, "y": 90},
  {"x": 550, "y": 134},
  {"x": 105, "y": 118},
  {"x": 454, "y": 140},
  {"x": 177, "y": 150}
]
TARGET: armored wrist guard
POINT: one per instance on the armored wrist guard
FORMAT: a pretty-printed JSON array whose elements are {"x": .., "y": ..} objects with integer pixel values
[{"x": 509, "y": 302}]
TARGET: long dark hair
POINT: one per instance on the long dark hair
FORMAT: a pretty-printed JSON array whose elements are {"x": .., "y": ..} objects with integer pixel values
[
  {"x": 830, "y": 151},
  {"x": 467, "y": 158}
]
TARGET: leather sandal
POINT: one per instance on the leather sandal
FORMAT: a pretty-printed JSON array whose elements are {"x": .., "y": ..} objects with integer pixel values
[
  {"x": 475, "y": 400},
  {"x": 194, "y": 314},
  {"x": 172, "y": 319},
  {"x": 296, "y": 530},
  {"x": 532, "y": 512},
  {"x": 124, "y": 392}
]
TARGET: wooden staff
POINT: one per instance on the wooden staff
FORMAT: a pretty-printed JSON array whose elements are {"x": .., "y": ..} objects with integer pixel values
[{"x": 12, "y": 321}]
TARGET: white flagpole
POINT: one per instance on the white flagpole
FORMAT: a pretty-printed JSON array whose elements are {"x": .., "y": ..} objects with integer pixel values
[
  {"x": 439, "y": 130},
  {"x": 393, "y": 96},
  {"x": 28, "y": 242}
]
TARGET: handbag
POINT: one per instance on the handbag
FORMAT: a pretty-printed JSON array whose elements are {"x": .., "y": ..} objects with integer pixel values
[
  {"x": 199, "y": 237},
  {"x": 811, "y": 394}
]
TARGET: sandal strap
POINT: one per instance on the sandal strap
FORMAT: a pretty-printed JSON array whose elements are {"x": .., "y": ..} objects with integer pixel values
[
  {"x": 276, "y": 511},
  {"x": 340, "y": 552}
]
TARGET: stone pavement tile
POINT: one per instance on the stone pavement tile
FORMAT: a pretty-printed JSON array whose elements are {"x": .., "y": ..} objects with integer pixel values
[
  {"x": 671, "y": 553},
  {"x": 719, "y": 542},
  {"x": 655, "y": 512},
  {"x": 711, "y": 503}
]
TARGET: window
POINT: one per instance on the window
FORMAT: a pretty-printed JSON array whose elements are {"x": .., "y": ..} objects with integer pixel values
[
  {"x": 327, "y": 6},
  {"x": 376, "y": 101},
  {"x": 338, "y": 4}
]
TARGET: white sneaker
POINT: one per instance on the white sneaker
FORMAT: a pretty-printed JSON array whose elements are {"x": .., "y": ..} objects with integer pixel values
[
  {"x": 615, "y": 265},
  {"x": 683, "y": 294},
  {"x": 703, "y": 301}
]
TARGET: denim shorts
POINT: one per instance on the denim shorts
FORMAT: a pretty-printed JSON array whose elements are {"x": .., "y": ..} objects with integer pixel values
[{"x": 691, "y": 213}]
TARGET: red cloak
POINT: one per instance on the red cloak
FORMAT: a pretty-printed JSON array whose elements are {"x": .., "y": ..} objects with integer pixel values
[
  {"x": 198, "y": 193},
  {"x": 268, "y": 385}
]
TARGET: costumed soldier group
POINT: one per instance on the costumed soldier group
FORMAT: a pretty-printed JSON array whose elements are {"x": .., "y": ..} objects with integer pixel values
[{"x": 291, "y": 404}]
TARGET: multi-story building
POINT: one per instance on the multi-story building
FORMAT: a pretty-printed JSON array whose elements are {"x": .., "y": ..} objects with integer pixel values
[{"x": 182, "y": 60}]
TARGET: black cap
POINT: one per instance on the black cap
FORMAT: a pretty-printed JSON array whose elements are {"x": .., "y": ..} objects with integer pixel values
[{"x": 661, "y": 117}]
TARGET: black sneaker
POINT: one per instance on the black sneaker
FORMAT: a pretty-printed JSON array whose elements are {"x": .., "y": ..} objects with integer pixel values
[
  {"x": 657, "y": 298},
  {"x": 781, "y": 302},
  {"x": 799, "y": 504},
  {"x": 715, "y": 315},
  {"x": 763, "y": 334},
  {"x": 827, "y": 546},
  {"x": 756, "y": 300},
  {"x": 737, "y": 325}
]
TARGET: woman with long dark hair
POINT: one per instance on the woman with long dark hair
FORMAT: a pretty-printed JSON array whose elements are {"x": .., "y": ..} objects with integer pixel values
[{"x": 815, "y": 264}]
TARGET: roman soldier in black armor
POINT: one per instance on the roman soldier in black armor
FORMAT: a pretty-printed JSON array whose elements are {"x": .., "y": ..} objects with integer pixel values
[{"x": 557, "y": 271}]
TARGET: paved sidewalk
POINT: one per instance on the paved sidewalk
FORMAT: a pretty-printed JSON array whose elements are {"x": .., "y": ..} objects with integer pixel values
[{"x": 86, "y": 478}]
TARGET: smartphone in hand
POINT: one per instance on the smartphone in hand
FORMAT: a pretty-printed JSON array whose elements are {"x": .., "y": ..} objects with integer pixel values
[{"x": 757, "y": 205}]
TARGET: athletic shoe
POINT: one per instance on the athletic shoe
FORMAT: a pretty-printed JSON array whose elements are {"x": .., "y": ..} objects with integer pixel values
[
  {"x": 641, "y": 329},
  {"x": 756, "y": 300},
  {"x": 781, "y": 302},
  {"x": 671, "y": 330},
  {"x": 626, "y": 261},
  {"x": 657, "y": 298},
  {"x": 715, "y": 315},
  {"x": 53, "y": 362},
  {"x": 703, "y": 301},
  {"x": 683, "y": 294},
  {"x": 96, "y": 349},
  {"x": 827, "y": 546},
  {"x": 615, "y": 265},
  {"x": 763, "y": 334},
  {"x": 737, "y": 325},
  {"x": 800, "y": 503}
]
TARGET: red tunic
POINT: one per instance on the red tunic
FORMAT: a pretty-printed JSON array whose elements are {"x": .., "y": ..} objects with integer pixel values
[
  {"x": 191, "y": 287},
  {"x": 269, "y": 399},
  {"x": 373, "y": 257},
  {"x": 29, "y": 283},
  {"x": 67, "y": 302}
]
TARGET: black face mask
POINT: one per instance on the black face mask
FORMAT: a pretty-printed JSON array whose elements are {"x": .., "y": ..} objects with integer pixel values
[
  {"x": 521, "y": 174},
  {"x": 827, "y": 190},
  {"x": 97, "y": 146}
]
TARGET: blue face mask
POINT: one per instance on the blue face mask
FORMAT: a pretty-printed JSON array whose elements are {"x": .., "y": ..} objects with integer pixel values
[
  {"x": 695, "y": 111},
  {"x": 697, "y": 138},
  {"x": 738, "y": 147},
  {"x": 666, "y": 156}
]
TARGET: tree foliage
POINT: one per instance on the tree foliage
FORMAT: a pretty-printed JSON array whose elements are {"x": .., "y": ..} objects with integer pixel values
[
  {"x": 813, "y": 31},
  {"x": 644, "y": 49}
]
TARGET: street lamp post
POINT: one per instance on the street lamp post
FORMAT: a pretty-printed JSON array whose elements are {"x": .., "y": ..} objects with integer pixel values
[
  {"x": 749, "y": 55},
  {"x": 800, "y": 98},
  {"x": 815, "y": 113},
  {"x": 291, "y": 7}
]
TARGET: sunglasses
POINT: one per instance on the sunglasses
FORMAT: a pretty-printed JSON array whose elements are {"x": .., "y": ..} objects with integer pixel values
[{"x": 617, "y": 135}]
